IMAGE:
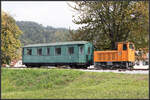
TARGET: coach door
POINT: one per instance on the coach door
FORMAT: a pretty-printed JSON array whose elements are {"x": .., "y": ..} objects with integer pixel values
[
  {"x": 71, "y": 54},
  {"x": 81, "y": 54}
]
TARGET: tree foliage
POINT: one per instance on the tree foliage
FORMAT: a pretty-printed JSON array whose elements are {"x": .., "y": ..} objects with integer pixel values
[
  {"x": 140, "y": 31},
  {"x": 10, "y": 43},
  {"x": 106, "y": 22}
]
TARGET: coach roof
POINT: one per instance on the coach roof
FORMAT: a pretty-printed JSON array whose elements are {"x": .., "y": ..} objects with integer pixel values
[{"x": 57, "y": 43}]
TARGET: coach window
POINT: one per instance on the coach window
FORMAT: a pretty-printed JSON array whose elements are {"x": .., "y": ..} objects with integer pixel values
[
  {"x": 58, "y": 51},
  {"x": 88, "y": 50},
  {"x": 124, "y": 46},
  {"x": 23, "y": 51},
  {"x": 48, "y": 51},
  {"x": 71, "y": 50},
  {"x": 29, "y": 51},
  {"x": 39, "y": 51},
  {"x": 81, "y": 49}
]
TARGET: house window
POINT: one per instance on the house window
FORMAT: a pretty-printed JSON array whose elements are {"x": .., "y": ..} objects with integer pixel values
[
  {"x": 70, "y": 50},
  {"x": 124, "y": 47},
  {"x": 48, "y": 51},
  {"x": 29, "y": 51},
  {"x": 81, "y": 49},
  {"x": 39, "y": 51},
  {"x": 88, "y": 50},
  {"x": 58, "y": 51}
]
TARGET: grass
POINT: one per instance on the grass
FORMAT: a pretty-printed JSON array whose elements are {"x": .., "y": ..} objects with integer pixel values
[{"x": 72, "y": 84}]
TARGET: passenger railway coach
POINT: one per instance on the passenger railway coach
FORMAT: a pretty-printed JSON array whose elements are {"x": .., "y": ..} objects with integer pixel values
[{"x": 76, "y": 53}]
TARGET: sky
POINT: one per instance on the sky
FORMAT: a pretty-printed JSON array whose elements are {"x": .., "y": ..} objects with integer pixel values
[{"x": 52, "y": 13}]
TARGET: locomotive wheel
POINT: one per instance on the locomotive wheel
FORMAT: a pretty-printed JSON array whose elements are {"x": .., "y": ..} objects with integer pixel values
[
  {"x": 127, "y": 66},
  {"x": 112, "y": 67},
  {"x": 98, "y": 67}
]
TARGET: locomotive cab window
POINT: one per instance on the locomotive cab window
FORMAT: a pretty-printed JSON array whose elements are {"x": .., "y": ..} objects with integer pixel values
[
  {"x": 39, "y": 51},
  {"x": 29, "y": 51},
  {"x": 131, "y": 46},
  {"x": 81, "y": 49},
  {"x": 124, "y": 46},
  {"x": 48, "y": 51},
  {"x": 71, "y": 50},
  {"x": 58, "y": 51}
]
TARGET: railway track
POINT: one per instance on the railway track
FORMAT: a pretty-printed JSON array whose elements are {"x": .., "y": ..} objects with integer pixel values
[
  {"x": 87, "y": 68},
  {"x": 135, "y": 69},
  {"x": 125, "y": 71},
  {"x": 119, "y": 70}
]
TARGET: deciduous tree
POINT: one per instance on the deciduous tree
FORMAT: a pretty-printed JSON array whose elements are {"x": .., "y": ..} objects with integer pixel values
[
  {"x": 10, "y": 43},
  {"x": 106, "y": 22}
]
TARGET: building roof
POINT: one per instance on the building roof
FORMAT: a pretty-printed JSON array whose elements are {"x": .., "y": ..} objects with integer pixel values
[{"x": 57, "y": 43}]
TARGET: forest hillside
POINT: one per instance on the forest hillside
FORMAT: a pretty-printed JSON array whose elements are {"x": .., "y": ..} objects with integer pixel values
[{"x": 37, "y": 33}]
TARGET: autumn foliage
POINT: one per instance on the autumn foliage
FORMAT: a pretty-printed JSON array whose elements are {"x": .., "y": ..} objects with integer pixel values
[{"x": 10, "y": 43}]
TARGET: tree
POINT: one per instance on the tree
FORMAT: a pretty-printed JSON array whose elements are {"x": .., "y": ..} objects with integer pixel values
[
  {"x": 139, "y": 32},
  {"x": 107, "y": 22},
  {"x": 10, "y": 43}
]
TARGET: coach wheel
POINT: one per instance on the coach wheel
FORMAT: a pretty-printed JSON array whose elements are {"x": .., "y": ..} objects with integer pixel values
[
  {"x": 72, "y": 66},
  {"x": 84, "y": 66},
  {"x": 28, "y": 66},
  {"x": 38, "y": 66}
]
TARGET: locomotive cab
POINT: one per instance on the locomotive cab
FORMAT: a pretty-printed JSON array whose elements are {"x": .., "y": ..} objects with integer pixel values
[{"x": 126, "y": 51}]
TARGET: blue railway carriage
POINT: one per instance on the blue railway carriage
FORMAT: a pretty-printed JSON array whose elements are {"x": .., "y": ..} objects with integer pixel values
[{"x": 75, "y": 54}]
